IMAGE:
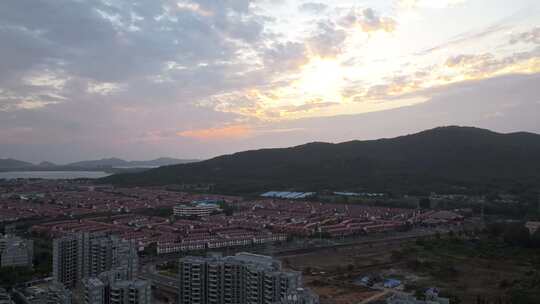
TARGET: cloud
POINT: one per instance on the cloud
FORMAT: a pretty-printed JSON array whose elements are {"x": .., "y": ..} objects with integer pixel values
[
  {"x": 368, "y": 20},
  {"x": 487, "y": 64},
  {"x": 393, "y": 86},
  {"x": 532, "y": 36},
  {"x": 327, "y": 40},
  {"x": 104, "y": 88},
  {"x": 193, "y": 7},
  {"x": 93, "y": 127},
  {"x": 220, "y": 133},
  {"x": 454, "y": 69},
  {"x": 467, "y": 103},
  {"x": 505, "y": 104},
  {"x": 467, "y": 37},
  {"x": 313, "y": 7},
  {"x": 430, "y": 3},
  {"x": 119, "y": 44},
  {"x": 308, "y": 106},
  {"x": 287, "y": 56},
  {"x": 123, "y": 77}
]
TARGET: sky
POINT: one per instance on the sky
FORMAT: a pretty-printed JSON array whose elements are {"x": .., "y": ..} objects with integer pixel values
[{"x": 200, "y": 78}]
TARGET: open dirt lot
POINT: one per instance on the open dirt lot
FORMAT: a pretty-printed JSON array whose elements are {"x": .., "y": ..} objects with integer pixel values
[{"x": 331, "y": 272}]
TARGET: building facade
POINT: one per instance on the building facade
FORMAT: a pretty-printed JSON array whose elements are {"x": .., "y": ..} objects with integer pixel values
[
  {"x": 67, "y": 260},
  {"x": 5, "y": 297},
  {"x": 532, "y": 226},
  {"x": 16, "y": 252},
  {"x": 300, "y": 296},
  {"x": 44, "y": 292},
  {"x": 199, "y": 209},
  {"x": 116, "y": 287},
  {"x": 94, "y": 291},
  {"x": 240, "y": 279},
  {"x": 131, "y": 292},
  {"x": 85, "y": 255}
]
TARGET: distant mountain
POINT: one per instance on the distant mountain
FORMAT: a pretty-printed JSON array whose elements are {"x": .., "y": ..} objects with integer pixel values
[
  {"x": 120, "y": 163},
  {"x": 108, "y": 164},
  {"x": 441, "y": 159},
  {"x": 9, "y": 163},
  {"x": 159, "y": 162},
  {"x": 101, "y": 163},
  {"x": 47, "y": 164}
]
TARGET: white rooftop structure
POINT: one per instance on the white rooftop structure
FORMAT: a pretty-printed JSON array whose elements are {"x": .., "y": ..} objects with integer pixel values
[{"x": 287, "y": 195}]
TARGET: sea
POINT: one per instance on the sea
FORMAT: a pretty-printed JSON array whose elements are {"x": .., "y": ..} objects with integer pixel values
[{"x": 53, "y": 174}]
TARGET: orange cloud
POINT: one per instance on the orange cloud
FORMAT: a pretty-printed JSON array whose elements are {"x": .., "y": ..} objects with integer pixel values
[{"x": 227, "y": 132}]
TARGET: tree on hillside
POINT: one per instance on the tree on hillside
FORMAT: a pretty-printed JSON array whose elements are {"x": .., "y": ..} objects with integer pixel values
[
  {"x": 425, "y": 203},
  {"x": 495, "y": 229},
  {"x": 10, "y": 276},
  {"x": 535, "y": 239},
  {"x": 517, "y": 235}
]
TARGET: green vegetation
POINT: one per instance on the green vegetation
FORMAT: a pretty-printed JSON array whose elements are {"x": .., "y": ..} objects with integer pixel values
[
  {"x": 443, "y": 160},
  {"x": 228, "y": 209},
  {"x": 168, "y": 268},
  {"x": 42, "y": 256},
  {"x": 387, "y": 202},
  {"x": 535, "y": 239},
  {"x": 515, "y": 234},
  {"x": 500, "y": 265},
  {"x": 11, "y": 276},
  {"x": 161, "y": 212},
  {"x": 150, "y": 250},
  {"x": 425, "y": 203}
]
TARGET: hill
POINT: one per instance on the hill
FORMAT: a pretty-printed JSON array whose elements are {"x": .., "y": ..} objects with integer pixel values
[
  {"x": 120, "y": 163},
  {"x": 47, "y": 164},
  {"x": 159, "y": 162},
  {"x": 101, "y": 163},
  {"x": 441, "y": 159},
  {"x": 108, "y": 164},
  {"x": 9, "y": 163}
]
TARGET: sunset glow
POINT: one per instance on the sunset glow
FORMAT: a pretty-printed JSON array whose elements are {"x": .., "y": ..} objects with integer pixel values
[
  {"x": 190, "y": 74},
  {"x": 227, "y": 132},
  {"x": 322, "y": 79}
]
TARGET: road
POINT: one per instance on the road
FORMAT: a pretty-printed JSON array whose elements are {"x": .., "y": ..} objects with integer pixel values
[
  {"x": 166, "y": 283},
  {"x": 375, "y": 297}
]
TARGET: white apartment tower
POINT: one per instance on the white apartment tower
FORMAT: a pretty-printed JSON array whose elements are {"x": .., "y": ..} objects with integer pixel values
[
  {"x": 16, "y": 251},
  {"x": 67, "y": 260},
  {"x": 116, "y": 287},
  {"x": 84, "y": 255},
  {"x": 240, "y": 279},
  {"x": 131, "y": 292}
]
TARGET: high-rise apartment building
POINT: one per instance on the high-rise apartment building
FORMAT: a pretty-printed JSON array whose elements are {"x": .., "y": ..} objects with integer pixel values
[
  {"x": 94, "y": 291},
  {"x": 116, "y": 287},
  {"x": 97, "y": 254},
  {"x": 241, "y": 279},
  {"x": 42, "y": 292},
  {"x": 67, "y": 260},
  {"x": 85, "y": 255},
  {"x": 131, "y": 292},
  {"x": 125, "y": 257},
  {"x": 16, "y": 251},
  {"x": 300, "y": 296}
]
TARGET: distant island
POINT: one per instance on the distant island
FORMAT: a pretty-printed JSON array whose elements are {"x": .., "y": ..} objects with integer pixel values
[
  {"x": 446, "y": 160},
  {"x": 107, "y": 164}
]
